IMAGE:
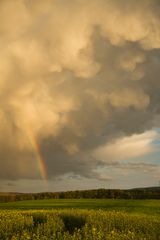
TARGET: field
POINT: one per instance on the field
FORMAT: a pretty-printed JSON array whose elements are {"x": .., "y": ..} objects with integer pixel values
[{"x": 83, "y": 219}]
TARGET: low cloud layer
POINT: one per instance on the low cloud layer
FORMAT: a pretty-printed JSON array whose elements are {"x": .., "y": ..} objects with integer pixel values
[{"x": 75, "y": 76}]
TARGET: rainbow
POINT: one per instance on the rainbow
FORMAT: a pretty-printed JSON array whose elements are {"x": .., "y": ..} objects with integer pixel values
[
  {"x": 37, "y": 151},
  {"x": 40, "y": 159}
]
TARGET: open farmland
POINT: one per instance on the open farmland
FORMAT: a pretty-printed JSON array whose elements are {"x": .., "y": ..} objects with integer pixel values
[
  {"x": 132, "y": 206},
  {"x": 80, "y": 219}
]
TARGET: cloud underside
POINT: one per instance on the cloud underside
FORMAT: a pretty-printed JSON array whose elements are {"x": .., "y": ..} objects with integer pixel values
[{"x": 79, "y": 80}]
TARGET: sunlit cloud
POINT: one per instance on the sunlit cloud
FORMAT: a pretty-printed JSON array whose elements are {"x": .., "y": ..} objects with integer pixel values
[
  {"x": 135, "y": 145},
  {"x": 81, "y": 78}
]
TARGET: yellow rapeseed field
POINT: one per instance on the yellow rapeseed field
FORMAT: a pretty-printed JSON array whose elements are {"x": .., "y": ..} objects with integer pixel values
[{"x": 77, "y": 224}]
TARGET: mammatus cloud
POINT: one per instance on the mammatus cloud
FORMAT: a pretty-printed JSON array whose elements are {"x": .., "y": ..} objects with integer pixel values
[{"x": 75, "y": 76}]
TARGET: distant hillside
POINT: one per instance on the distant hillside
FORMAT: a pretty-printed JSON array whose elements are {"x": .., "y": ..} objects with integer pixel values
[
  {"x": 10, "y": 193},
  {"x": 135, "y": 193},
  {"x": 148, "y": 188}
]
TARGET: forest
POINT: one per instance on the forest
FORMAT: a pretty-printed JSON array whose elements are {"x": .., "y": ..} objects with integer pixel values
[{"x": 137, "y": 193}]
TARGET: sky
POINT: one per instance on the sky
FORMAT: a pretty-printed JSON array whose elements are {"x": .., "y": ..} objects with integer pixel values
[{"x": 79, "y": 94}]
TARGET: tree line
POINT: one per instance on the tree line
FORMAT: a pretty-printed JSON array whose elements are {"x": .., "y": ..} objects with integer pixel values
[{"x": 143, "y": 193}]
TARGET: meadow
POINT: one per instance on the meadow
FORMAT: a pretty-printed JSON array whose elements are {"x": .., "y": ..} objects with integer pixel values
[{"x": 80, "y": 219}]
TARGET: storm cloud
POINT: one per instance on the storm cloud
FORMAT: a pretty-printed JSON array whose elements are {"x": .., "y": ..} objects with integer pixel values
[{"x": 75, "y": 75}]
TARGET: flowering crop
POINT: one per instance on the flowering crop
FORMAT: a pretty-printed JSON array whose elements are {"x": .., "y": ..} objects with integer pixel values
[{"x": 76, "y": 224}]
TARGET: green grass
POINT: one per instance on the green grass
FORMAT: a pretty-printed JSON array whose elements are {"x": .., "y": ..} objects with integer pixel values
[{"x": 131, "y": 206}]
